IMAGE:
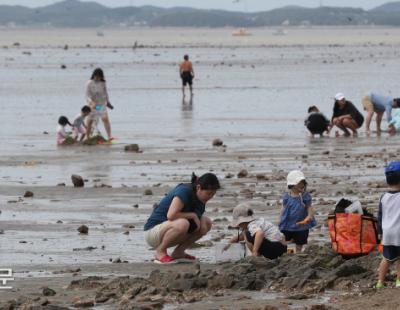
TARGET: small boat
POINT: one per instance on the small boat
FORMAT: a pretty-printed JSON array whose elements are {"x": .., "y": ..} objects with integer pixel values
[{"x": 241, "y": 32}]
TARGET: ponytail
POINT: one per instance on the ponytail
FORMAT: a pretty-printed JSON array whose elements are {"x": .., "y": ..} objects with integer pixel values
[{"x": 207, "y": 181}]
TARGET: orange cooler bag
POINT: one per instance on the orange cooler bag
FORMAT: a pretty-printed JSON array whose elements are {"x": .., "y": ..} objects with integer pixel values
[{"x": 353, "y": 234}]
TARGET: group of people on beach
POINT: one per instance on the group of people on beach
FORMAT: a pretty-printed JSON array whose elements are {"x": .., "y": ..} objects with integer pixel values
[
  {"x": 84, "y": 127},
  {"x": 178, "y": 221},
  {"x": 349, "y": 119}
]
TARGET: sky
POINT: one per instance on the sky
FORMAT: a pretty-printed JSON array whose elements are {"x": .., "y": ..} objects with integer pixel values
[{"x": 235, "y": 5}]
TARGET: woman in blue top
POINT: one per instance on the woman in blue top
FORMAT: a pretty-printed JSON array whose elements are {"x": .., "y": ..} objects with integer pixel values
[
  {"x": 297, "y": 215},
  {"x": 178, "y": 219}
]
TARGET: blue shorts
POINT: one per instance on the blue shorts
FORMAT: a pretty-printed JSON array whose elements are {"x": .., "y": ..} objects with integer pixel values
[
  {"x": 268, "y": 249},
  {"x": 391, "y": 252},
  {"x": 298, "y": 237}
]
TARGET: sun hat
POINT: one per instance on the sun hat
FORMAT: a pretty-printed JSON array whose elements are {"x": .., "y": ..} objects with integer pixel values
[
  {"x": 393, "y": 168},
  {"x": 339, "y": 96},
  {"x": 242, "y": 213},
  {"x": 295, "y": 177}
]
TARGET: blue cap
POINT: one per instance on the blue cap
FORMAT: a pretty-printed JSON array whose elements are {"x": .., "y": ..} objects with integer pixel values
[{"x": 393, "y": 166}]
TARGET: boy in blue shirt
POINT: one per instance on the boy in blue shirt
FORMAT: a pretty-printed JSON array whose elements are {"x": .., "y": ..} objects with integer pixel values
[{"x": 389, "y": 223}]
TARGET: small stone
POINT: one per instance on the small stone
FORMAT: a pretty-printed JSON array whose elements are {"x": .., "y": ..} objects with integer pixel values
[
  {"x": 117, "y": 260},
  {"x": 59, "y": 222},
  {"x": 61, "y": 184},
  {"x": 148, "y": 192},
  {"x": 217, "y": 142},
  {"x": 28, "y": 194},
  {"x": 136, "y": 206},
  {"x": 77, "y": 180},
  {"x": 126, "y": 232},
  {"x": 83, "y": 229},
  {"x": 242, "y": 173},
  {"x": 132, "y": 148},
  {"x": 48, "y": 292},
  {"x": 63, "y": 67}
]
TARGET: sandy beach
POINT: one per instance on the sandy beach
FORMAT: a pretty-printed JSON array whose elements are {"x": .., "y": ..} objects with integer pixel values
[{"x": 252, "y": 93}]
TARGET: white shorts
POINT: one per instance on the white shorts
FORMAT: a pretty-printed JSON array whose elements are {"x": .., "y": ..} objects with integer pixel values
[{"x": 153, "y": 236}]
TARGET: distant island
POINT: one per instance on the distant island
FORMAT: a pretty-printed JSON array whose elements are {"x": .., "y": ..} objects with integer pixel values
[{"x": 73, "y": 13}]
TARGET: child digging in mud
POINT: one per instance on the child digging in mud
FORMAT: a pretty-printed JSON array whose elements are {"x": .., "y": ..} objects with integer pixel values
[
  {"x": 79, "y": 123},
  {"x": 297, "y": 216},
  {"x": 262, "y": 237},
  {"x": 389, "y": 224},
  {"x": 63, "y": 137}
]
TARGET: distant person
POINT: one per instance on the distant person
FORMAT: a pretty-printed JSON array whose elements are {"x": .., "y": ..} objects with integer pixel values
[
  {"x": 346, "y": 116},
  {"x": 179, "y": 221},
  {"x": 97, "y": 100},
  {"x": 78, "y": 126},
  {"x": 389, "y": 224},
  {"x": 64, "y": 137},
  {"x": 187, "y": 74},
  {"x": 316, "y": 122},
  {"x": 261, "y": 236},
  {"x": 376, "y": 103},
  {"x": 394, "y": 125}
]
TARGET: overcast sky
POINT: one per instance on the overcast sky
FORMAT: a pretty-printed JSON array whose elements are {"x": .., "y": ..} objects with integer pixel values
[{"x": 237, "y": 5}]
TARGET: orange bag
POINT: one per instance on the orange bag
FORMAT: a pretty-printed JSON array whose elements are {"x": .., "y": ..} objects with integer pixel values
[{"x": 353, "y": 235}]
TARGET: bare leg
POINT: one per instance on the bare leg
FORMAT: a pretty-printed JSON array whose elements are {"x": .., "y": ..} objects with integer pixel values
[
  {"x": 205, "y": 226},
  {"x": 383, "y": 269},
  {"x": 339, "y": 123},
  {"x": 191, "y": 90},
  {"x": 351, "y": 124},
  {"x": 89, "y": 128},
  {"x": 183, "y": 91},
  {"x": 107, "y": 126},
  {"x": 378, "y": 122},
  {"x": 172, "y": 234}
]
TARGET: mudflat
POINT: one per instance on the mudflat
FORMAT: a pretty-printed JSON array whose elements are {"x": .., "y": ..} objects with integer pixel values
[{"x": 250, "y": 92}]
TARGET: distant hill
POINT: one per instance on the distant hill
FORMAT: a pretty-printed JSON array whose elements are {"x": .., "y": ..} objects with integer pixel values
[
  {"x": 73, "y": 13},
  {"x": 391, "y": 7}
]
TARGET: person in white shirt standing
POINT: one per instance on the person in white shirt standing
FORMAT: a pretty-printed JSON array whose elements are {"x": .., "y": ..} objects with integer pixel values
[
  {"x": 262, "y": 237},
  {"x": 389, "y": 224}
]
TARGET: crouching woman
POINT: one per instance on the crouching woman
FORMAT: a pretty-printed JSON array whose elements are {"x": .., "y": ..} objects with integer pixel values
[{"x": 179, "y": 220}]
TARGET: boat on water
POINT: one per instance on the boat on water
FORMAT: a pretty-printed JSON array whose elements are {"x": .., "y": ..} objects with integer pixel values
[{"x": 241, "y": 32}]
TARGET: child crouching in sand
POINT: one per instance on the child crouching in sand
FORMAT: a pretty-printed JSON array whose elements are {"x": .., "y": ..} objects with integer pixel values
[
  {"x": 79, "y": 123},
  {"x": 297, "y": 215},
  {"x": 262, "y": 237},
  {"x": 63, "y": 137},
  {"x": 389, "y": 224}
]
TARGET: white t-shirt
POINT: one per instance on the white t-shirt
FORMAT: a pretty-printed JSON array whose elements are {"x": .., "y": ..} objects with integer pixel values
[
  {"x": 390, "y": 217},
  {"x": 271, "y": 231}
]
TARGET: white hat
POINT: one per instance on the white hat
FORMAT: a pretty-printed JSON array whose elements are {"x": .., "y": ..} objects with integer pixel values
[
  {"x": 242, "y": 214},
  {"x": 295, "y": 177},
  {"x": 339, "y": 96}
]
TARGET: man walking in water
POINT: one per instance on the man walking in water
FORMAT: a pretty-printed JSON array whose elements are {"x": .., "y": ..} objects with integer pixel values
[{"x": 187, "y": 74}]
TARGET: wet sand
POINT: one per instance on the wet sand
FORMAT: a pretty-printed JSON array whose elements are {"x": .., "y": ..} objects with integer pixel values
[{"x": 253, "y": 98}]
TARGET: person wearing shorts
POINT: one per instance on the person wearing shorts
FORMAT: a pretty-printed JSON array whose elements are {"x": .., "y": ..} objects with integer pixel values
[
  {"x": 346, "y": 116},
  {"x": 187, "y": 74},
  {"x": 97, "y": 100},
  {"x": 389, "y": 224},
  {"x": 179, "y": 221},
  {"x": 78, "y": 126},
  {"x": 379, "y": 104}
]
